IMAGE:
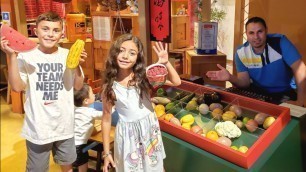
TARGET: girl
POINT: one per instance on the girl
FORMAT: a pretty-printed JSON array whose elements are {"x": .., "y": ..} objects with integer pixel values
[{"x": 138, "y": 142}]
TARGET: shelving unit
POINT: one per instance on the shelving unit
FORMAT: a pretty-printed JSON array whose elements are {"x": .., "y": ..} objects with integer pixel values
[{"x": 180, "y": 27}]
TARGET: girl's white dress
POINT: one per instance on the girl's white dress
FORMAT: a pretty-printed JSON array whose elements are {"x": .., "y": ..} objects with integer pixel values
[{"x": 138, "y": 141}]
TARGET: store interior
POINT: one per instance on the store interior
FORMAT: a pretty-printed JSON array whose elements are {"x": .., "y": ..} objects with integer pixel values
[{"x": 133, "y": 17}]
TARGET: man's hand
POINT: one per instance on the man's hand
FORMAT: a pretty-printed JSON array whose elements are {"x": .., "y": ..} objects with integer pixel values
[{"x": 221, "y": 75}]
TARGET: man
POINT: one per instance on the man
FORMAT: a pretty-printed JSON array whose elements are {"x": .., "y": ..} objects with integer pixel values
[{"x": 267, "y": 62}]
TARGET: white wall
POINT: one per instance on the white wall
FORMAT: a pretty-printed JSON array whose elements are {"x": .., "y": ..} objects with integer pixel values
[{"x": 226, "y": 28}]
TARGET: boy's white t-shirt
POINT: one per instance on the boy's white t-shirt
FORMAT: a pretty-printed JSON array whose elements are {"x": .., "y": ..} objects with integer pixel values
[{"x": 49, "y": 106}]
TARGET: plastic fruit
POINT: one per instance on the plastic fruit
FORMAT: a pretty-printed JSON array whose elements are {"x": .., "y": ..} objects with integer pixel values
[
  {"x": 160, "y": 114},
  {"x": 239, "y": 124},
  {"x": 245, "y": 120},
  {"x": 212, "y": 135},
  {"x": 175, "y": 121},
  {"x": 192, "y": 105},
  {"x": 236, "y": 109},
  {"x": 225, "y": 141},
  {"x": 243, "y": 149},
  {"x": 196, "y": 129},
  {"x": 186, "y": 126},
  {"x": 229, "y": 116},
  {"x": 170, "y": 105},
  {"x": 268, "y": 122},
  {"x": 159, "y": 107},
  {"x": 160, "y": 100},
  {"x": 161, "y": 117},
  {"x": 203, "y": 109},
  {"x": 161, "y": 92},
  {"x": 217, "y": 113},
  {"x": 234, "y": 147},
  {"x": 17, "y": 41},
  {"x": 168, "y": 116},
  {"x": 251, "y": 125},
  {"x": 188, "y": 119},
  {"x": 212, "y": 97},
  {"x": 260, "y": 118},
  {"x": 215, "y": 106},
  {"x": 200, "y": 99}
]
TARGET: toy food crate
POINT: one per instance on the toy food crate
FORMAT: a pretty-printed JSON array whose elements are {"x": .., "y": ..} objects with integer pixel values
[{"x": 256, "y": 141}]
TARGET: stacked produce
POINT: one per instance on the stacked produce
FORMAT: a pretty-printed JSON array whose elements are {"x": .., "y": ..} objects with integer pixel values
[{"x": 226, "y": 123}]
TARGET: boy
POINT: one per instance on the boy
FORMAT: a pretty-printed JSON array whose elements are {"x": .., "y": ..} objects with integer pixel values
[
  {"x": 84, "y": 120},
  {"x": 48, "y": 85}
]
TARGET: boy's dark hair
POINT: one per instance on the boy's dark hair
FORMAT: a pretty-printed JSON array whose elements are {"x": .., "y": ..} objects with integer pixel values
[
  {"x": 256, "y": 20},
  {"x": 49, "y": 16},
  {"x": 81, "y": 95}
]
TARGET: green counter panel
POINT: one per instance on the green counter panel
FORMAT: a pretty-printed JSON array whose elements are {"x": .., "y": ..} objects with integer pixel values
[{"x": 284, "y": 154}]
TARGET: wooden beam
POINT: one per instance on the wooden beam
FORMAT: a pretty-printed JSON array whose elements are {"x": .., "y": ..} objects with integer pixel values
[
  {"x": 144, "y": 23},
  {"x": 238, "y": 28},
  {"x": 21, "y": 22}
]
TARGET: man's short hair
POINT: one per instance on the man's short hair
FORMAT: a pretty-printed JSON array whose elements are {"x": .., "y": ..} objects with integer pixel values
[
  {"x": 256, "y": 20},
  {"x": 49, "y": 16}
]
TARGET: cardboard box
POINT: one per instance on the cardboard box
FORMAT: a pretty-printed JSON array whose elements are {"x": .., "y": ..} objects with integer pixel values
[{"x": 257, "y": 141}]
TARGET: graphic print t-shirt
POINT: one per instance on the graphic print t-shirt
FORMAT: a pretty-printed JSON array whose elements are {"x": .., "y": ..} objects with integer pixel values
[{"x": 49, "y": 107}]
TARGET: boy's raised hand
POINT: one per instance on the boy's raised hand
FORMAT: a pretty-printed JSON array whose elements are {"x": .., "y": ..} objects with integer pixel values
[
  {"x": 83, "y": 57},
  {"x": 5, "y": 48},
  {"x": 161, "y": 52}
]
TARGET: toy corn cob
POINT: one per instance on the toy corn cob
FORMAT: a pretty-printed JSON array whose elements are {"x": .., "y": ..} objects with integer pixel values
[{"x": 74, "y": 54}]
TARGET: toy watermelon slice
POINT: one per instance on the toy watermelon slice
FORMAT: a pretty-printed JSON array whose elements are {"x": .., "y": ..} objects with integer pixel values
[{"x": 17, "y": 41}]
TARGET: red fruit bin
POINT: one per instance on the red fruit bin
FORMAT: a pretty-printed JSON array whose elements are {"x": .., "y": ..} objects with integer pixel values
[
  {"x": 257, "y": 146},
  {"x": 157, "y": 74}
]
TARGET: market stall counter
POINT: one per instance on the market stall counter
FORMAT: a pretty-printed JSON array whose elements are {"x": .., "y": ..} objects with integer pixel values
[
  {"x": 223, "y": 143},
  {"x": 283, "y": 154}
]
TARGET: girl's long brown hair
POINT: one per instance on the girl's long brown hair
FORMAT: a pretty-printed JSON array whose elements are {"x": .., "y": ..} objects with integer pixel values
[{"x": 139, "y": 79}]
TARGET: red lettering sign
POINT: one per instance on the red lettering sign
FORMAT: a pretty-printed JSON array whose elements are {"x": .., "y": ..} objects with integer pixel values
[{"x": 160, "y": 20}]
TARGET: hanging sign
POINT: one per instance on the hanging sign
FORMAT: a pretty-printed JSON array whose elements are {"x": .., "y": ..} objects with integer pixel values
[{"x": 160, "y": 20}]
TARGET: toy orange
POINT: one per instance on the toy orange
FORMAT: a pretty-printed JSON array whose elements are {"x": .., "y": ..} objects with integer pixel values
[
  {"x": 168, "y": 116},
  {"x": 160, "y": 114},
  {"x": 212, "y": 135}
]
